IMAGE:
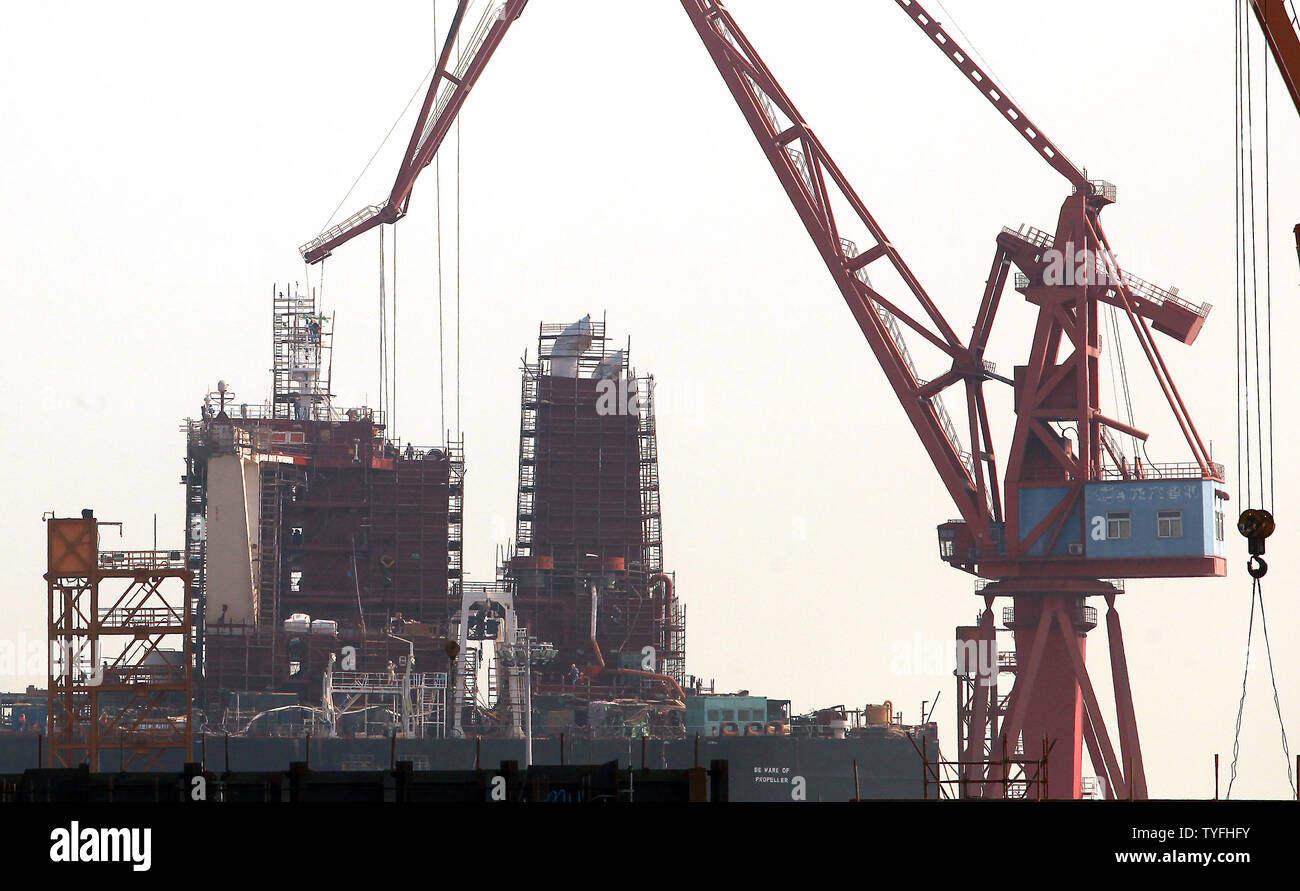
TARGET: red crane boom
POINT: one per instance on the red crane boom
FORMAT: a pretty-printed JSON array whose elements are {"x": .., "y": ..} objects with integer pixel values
[
  {"x": 436, "y": 116},
  {"x": 1047, "y": 553},
  {"x": 1281, "y": 27},
  {"x": 815, "y": 186},
  {"x": 998, "y": 97},
  {"x": 1070, "y": 512}
]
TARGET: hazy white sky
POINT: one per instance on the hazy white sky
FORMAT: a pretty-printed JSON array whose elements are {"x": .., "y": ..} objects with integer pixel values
[{"x": 162, "y": 162}]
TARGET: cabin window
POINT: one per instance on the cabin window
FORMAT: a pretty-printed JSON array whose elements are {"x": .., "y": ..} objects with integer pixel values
[
  {"x": 1119, "y": 525},
  {"x": 714, "y": 716},
  {"x": 1169, "y": 524},
  {"x": 1218, "y": 525}
]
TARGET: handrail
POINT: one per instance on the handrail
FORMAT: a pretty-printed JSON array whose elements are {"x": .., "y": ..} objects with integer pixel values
[
  {"x": 896, "y": 332},
  {"x": 130, "y": 560},
  {"x": 366, "y": 213},
  {"x": 490, "y": 15},
  {"x": 1136, "y": 285}
]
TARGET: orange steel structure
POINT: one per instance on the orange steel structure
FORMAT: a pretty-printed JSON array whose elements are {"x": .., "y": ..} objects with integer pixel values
[{"x": 133, "y": 697}]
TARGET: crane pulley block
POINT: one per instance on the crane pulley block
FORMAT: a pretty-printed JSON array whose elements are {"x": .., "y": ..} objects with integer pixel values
[{"x": 1256, "y": 524}]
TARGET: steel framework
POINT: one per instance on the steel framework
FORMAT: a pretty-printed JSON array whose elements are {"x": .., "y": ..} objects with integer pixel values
[
  {"x": 1059, "y": 386},
  {"x": 1281, "y": 28},
  {"x": 588, "y": 514},
  {"x": 1055, "y": 390},
  {"x": 135, "y": 696},
  {"x": 447, "y": 93}
]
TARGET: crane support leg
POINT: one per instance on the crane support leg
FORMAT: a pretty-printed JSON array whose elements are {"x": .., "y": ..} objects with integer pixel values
[
  {"x": 984, "y": 705},
  {"x": 1019, "y": 704},
  {"x": 1057, "y": 714},
  {"x": 1053, "y": 704},
  {"x": 1129, "y": 744}
]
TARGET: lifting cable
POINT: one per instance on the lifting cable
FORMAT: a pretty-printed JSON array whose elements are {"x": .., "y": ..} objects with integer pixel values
[
  {"x": 383, "y": 331},
  {"x": 458, "y": 253},
  {"x": 419, "y": 88},
  {"x": 384, "y": 381},
  {"x": 1254, "y": 356},
  {"x": 392, "y": 396},
  {"x": 1122, "y": 389}
]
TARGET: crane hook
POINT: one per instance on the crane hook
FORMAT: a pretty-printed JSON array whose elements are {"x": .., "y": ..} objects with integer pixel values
[
  {"x": 1256, "y": 524},
  {"x": 1256, "y": 567}
]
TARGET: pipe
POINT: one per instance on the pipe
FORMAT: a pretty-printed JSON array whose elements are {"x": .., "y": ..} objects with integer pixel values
[
  {"x": 668, "y": 585},
  {"x": 676, "y": 688},
  {"x": 600, "y": 668},
  {"x": 595, "y": 647}
]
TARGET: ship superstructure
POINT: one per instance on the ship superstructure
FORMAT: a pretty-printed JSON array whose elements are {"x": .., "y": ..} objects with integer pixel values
[
  {"x": 320, "y": 545},
  {"x": 587, "y": 565}
]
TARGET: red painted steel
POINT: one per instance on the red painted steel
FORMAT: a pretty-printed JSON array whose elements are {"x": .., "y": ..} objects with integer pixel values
[
  {"x": 354, "y": 530},
  {"x": 1060, "y": 383},
  {"x": 816, "y": 186},
  {"x": 996, "y": 96},
  {"x": 431, "y": 127},
  {"x": 1281, "y": 25},
  {"x": 1282, "y": 32}
]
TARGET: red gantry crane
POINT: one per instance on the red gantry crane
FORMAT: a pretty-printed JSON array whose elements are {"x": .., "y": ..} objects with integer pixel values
[
  {"x": 1074, "y": 515},
  {"x": 1074, "y": 511}
]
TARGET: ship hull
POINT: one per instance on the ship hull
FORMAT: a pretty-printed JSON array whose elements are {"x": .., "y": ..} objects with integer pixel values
[{"x": 760, "y": 768}]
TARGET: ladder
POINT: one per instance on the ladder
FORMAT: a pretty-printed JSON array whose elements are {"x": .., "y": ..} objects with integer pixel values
[{"x": 468, "y": 680}]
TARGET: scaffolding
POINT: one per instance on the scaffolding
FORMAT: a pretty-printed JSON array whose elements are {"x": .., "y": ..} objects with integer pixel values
[
  {"x": 588, "y": 536},
  {"x": 984, "y": 701},
  {"x": 195, "y": 482},
  {"x": 113, "y": 685},
  {"x": 301, "y": 338},
  {"x": 409, "y": 704},
  {"x": 1013, "y": 776},
  {"x": 980, "y": 706},
  {"x": 346, "y": 526},
  {"x": 670, "y": 623}
]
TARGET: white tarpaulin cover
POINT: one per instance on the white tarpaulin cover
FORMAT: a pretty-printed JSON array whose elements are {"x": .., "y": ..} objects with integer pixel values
[
  {"x": 610, "y": 367},
  {"x": 572, "y": 343}
]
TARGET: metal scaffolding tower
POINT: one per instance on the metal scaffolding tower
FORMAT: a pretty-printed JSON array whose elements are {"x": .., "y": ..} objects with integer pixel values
[{"x": 113, "y": 685}]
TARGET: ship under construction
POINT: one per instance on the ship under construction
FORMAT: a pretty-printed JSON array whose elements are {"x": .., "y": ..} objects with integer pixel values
[
  {"x": 321, "y": 597},
  {"x": 327, "y": 608}
]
